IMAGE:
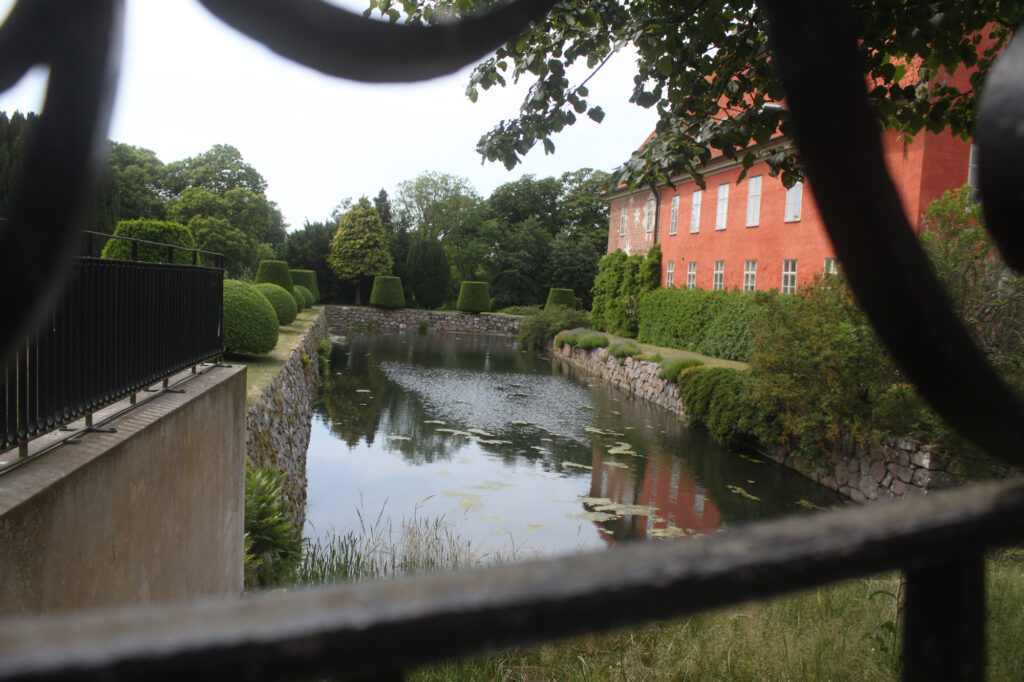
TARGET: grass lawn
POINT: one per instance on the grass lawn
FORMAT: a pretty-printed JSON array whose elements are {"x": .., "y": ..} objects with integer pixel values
[{"x": 261, "y": 369}]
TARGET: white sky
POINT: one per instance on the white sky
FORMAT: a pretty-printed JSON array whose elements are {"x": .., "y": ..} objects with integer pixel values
[{"x": 189, "y": 82}]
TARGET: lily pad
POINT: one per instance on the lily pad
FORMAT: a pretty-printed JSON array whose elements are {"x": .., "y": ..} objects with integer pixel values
[
  {"x": 578, "y": 466},
  {"x": 807, "y": 504},
  {"x": 599, "y": 517},
  {"x": 594, "y": 500},
  {"x": 481, "y": 432},
  {"x": 670, "y": 532},
  {"x": 617, "y": 465},
  {"x": 737, "y": 490},
  {"x": 627, "y": 509}
]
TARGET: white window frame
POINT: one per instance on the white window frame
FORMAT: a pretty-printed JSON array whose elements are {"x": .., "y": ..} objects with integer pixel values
[
  {"x": 789, "y": 276},
  {"x": 754, "y": 201},
  {"x": 831, "y": 266},
  {"x": 691, "y": 275},
  {"x": 622, "y": 221},
  {"x": 698, "y": 195},
  {"x": 673, "y": 221},
  {"x": 718, "y": 276},
  {"x": 650, "y": 215},
  {"x": 794, "y": 203},
  {"x": 722, "y": 211},
  {"x": 670, "y": 273},
  {"x": 749, "y": 275}
]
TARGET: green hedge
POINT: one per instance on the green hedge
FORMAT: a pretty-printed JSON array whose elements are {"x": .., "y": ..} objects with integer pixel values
[
  {"x": 620, "y": 284},
  {"x": 670, "y": 369},
  {"x": 307, "y": 278},
  {"x": 283, "y": 302},
  {"x": 717, "y": 397},
  {"x": 387, "y": 292},
  {"x": 275, "y": 272},
  {"x": 626, "y": 348},
  {"x": 474, "y": 297},
  {"x": 160, "y": 231},
  {"x": 730, "y": 334},
  {"x": 305, "y": 294},
  {"x": 581, "y": 338},
  {"x": 539, "y": 328},
  {"x": 560, "y": 297},
  {"x": 250, "y": 323}
]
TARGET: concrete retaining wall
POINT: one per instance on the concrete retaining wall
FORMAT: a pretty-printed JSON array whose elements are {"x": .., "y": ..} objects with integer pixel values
[
  {"x": 279, "y": 423},
  {"x": 343, "y": 318},
  {"x": 898, "y": 468},
  {"x": 151, "y": 513}
]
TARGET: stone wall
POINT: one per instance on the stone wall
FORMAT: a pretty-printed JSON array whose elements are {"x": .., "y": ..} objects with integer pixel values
[
  {"x": 343, "y": 318},
  {"x": 898, "y": 468},
  {"x": 279, "y": 423}
]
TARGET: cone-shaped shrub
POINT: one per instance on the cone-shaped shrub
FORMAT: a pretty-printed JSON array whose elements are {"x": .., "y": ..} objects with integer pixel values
[
  {"x": 562, "y": 297},
  {"x": 305, "y": 294},
  {"x": 275, "y": 272},
  {"x": 474, "y": 297},
  {"x": 159, "y": 231},
  {"x": 250, "y": 323},
  {"x": 387, "y": 292},
  {"x": 283, "y": 302},
  {"x": 307, "y": 278}
]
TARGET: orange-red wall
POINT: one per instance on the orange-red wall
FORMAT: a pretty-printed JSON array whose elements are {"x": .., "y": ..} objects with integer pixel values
[{"x": 922, "y": 170}]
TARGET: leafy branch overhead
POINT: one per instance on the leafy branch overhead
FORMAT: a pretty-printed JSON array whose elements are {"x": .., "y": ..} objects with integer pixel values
[{"x": 705, "y": 66}]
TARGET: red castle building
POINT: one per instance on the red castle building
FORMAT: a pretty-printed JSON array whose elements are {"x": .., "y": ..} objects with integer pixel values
[{"x": 757, "y": 234}]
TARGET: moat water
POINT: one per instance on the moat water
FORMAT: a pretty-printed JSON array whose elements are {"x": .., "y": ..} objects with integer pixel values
[{"x": 514, "y": 450}]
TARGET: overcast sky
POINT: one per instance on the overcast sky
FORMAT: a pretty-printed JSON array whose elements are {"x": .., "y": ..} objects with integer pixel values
[{"x": 189, "y": 82}]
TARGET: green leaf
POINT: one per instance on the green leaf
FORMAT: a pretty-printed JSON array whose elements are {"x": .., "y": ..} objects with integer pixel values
[{"x": 596, "y": 113}]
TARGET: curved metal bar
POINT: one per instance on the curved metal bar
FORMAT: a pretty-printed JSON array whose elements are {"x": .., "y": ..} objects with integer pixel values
[
  {"x": 339, "y": 43},
  {"x": 82, "y": 47},
  {"x": 837, "y": 135},
  {"x": 1000, "y": 137}
]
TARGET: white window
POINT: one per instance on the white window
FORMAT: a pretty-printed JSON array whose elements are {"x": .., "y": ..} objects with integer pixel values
[
  {"x": 723, "y": 206},
  {"x": 972, "y": 167},
  {"x": 650, "y": 215},
  {"x": 794, "y": 199},
  {"x": 749, "y": 275},
  {"x": 789, "y": 276},
  {"x": 691, "y": 275},
  {"x": 831, "y": 266},
  {"x": 753, "y": 201},
  {"x": 673, "y": 220},
  {"x": 718, "y": 281},
  {"x": 670, "y": 270},
  {"x": 622, "y": 222},
  {"x": 695, "y": 212}
]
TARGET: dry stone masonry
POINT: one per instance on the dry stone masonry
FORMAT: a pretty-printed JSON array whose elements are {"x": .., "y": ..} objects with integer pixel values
[
  {"x": 897, "y": 468},
  {"x": 279, "y": 423},
  {"x": 351, "y": 318}
]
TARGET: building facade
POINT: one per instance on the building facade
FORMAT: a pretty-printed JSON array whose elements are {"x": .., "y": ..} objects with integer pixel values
[{"x": 758, "y": 235}]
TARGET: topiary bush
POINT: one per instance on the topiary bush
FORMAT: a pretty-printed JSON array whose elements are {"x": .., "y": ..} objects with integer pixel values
[
  {"x": 275, "y": 272},
  {"x": 160, "y": 231},
  {"x": 387, "y": 292},
  {"x": 560, "y": 297},
  {"x": 307, "y": 278},
  {"x": 305, "y": 294},
  {"x": 474, "y": 297},
  {"x": 250, "y": 323},
  {"x": 584, "y": 338},
  {"x": 283, "y": 302}
]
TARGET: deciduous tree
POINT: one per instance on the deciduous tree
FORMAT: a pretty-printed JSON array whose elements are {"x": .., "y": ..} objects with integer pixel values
[{"x": 359, "y": 248}]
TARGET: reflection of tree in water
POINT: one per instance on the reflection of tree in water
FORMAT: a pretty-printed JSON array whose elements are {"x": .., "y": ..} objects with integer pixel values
[{"x": 353, "y": 398}]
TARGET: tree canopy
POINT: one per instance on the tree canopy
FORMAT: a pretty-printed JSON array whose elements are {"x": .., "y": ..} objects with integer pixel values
[
  {"x": 359, "y": 249},
  {"x": 705, "y": 67}
]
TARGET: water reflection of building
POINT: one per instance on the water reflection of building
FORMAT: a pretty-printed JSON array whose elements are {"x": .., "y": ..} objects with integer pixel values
[{"x": 667, "y": 484}]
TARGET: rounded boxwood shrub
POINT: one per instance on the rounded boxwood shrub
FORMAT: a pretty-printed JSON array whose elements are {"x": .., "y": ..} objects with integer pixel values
[
  {"x": 562, "y": 297},
  {"x": 250, "y": 323},
  {"x": 161, "y": 231},
  {"x": 283, "y": 302},
  {"x": 275, "y": 272},
  {"x": 474, "y": 297},
  {"x": 387, "y": 292},
  {"x": 306, "y": 294},
  {"x": 307, "y": 278}
]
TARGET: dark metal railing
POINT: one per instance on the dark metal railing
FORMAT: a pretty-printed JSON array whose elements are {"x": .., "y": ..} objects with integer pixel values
[
  {"x": 379, "y": 629},
  {"x": 119, "y": 327}
]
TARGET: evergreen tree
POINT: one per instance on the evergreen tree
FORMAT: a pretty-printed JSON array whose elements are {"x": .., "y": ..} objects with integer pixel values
[
  {"x": 359, "y": 249},
  {"x": 428, "y": 271}
]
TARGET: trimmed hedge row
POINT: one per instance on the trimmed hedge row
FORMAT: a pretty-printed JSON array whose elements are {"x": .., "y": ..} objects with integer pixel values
[
  {"x": 281, "y": 300},
  {"x": 715, "y": 323},
  {"x": 305, "y": 294},
  {"x": 307, "y": 278},
  {"x": 563, "y": 297},
  {"x": 250, "y": 323}
]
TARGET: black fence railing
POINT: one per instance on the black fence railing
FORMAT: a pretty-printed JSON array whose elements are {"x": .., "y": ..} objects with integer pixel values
[{"x": 119, "y": 327}]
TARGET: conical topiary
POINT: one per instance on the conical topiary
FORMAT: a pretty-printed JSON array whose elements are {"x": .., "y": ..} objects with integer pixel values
[
  {"x": 387, "y": 292},
  {"x": 563, "y": 297},
  {"x": 474, "y": 297}
]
